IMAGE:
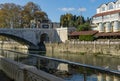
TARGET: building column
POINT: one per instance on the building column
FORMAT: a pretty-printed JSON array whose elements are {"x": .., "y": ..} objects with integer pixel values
[
  {"x": 116, "y": 26},
  {"x": 108, "y": 27},
  {"x": 100, "y": 27}
]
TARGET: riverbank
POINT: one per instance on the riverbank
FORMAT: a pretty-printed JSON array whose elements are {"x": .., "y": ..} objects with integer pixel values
[
  {"x": 106, "y": 48},
  {"x": 96, "y": 48}
]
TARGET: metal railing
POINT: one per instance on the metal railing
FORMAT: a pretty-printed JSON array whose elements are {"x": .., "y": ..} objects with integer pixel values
[
  {"x": 21, "y": 72},
  {"x": 59, "y": 68}
]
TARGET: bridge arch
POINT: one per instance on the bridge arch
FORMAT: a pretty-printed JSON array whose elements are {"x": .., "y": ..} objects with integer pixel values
[
  {"x": 19, "y": 39},
  {"x": 44, "y": 37}
]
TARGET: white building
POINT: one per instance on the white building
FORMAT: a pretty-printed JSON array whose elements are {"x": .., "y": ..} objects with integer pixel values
[{"x": 107, "y": 18}]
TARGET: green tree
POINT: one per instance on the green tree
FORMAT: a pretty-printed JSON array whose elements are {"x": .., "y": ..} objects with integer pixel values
[
  {"x": 69, "y": 20},
  {"x": 66, "y": 20},
  {"x": 86, "y": 38},
  {"x": 84, "y": 27}
]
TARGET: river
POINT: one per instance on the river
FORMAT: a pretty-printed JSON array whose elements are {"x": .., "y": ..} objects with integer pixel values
[
  {"x": 75, "y": 73},
  {"x": 79, "y": 73}
]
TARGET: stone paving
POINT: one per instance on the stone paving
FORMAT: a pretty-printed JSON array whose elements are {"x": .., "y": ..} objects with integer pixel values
[{"x": 3, "y": 77}]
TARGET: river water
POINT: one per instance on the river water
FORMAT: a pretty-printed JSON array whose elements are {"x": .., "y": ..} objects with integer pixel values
[
  {"x": 108, "y": 62},
  {"x": 75, "y": 73},
  {"x": 78, "y": 73}
]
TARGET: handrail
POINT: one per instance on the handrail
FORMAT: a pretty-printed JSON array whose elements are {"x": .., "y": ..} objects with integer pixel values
[
  {"x": 73, "y": 63},
  {"x": 21, "y": 72}
]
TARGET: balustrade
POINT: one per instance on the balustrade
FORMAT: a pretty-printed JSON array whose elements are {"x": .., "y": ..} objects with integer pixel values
[{"x": 22, "y": 72}]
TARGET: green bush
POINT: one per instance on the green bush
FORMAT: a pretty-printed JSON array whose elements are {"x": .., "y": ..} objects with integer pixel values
[{"x": 86, "y": 38}]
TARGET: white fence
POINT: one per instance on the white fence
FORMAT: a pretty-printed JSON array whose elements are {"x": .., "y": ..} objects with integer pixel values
[{"x": 22, "y": 72}]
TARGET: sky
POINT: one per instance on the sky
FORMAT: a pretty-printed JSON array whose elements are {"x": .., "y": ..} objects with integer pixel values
[{"x": 56, "y": 8}]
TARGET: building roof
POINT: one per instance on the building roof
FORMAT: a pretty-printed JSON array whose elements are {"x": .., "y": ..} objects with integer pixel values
[
  {"x": 106, "y": 4},
  {"x": 108, "y": 34},
  {"x": 76, "y": 33},
  {"x": 106, "y": 13}
]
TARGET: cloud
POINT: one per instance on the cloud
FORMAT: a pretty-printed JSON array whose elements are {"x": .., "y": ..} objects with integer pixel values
[
  {"x": 67, "y": 9},
  {"x": 82, "y": 9}
]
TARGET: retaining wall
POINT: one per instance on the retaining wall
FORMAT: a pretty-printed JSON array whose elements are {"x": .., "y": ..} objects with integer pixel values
[{"x": 111, "y": 48}]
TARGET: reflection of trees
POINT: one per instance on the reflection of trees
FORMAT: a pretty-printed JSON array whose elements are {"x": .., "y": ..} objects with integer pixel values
[{"x": 101, "y": 61}]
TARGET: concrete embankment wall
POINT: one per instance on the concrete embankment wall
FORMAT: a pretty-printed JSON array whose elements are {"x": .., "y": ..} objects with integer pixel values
[{"x": 111, "y": 48}]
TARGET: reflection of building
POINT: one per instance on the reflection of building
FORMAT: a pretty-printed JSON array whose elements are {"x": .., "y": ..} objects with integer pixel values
[{"x": 107, "y": 18}]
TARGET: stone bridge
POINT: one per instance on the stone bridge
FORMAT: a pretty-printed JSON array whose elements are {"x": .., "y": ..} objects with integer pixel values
[{"x": 33, "y": 36}]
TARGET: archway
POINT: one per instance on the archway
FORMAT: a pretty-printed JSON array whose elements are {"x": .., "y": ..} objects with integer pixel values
[{"x": 44, "y": 38}]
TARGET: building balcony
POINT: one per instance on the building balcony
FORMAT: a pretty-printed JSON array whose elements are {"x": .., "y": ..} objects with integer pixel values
[{"x": 108, "y": 19}]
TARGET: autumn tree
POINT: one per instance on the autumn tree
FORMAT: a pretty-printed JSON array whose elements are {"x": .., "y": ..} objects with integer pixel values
[
  {"x": 10, "y": 15},
  {"x": 16, "y": 16},
  {"x": 32, "y": 11},
  {"x": 39, "y": 16}
]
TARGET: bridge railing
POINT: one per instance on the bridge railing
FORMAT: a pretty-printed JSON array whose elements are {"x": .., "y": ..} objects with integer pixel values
[
  {"x": 61, "y": 68},
  {"x": 22, "y": 72}
]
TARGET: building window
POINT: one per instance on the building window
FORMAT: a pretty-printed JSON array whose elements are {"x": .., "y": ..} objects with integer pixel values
[
  {"x": 118, "y": 5},
  {"x": 110, "y": 6},
  {"x": 103, "y": 8}
]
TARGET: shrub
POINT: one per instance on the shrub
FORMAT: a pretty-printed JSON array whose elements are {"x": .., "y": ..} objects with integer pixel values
[{"x": 86, "y": 38}]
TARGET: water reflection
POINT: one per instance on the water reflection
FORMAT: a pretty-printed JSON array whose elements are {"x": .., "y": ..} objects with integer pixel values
[
  {"x": 70, "y": 72},
  {"x": 107, "y": 62}
]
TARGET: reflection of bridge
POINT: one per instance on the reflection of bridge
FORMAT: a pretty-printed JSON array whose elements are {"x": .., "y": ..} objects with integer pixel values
[{"x": 33, "y": 36}]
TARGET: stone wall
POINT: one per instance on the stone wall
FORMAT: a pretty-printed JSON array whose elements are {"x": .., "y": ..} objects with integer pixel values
[
  {"x": 85, "y": 47},
  {"x": 12, "y": 45}
]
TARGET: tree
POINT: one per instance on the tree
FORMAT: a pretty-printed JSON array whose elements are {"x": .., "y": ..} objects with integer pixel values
[
  {"x": 39, "y": 16},
  {"x": 84, "y": 27},
  {"x": 15, "y": 16},
  {"x": 32, "y": 11},
  {"x": 66, "y": 20},
  {"x": 69, "y": 20},
  {"x": 10, "y": 14},
  {"x": 31, "y": 8},
  {"x": 2, "y": 19}
]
